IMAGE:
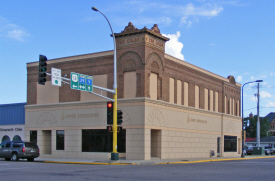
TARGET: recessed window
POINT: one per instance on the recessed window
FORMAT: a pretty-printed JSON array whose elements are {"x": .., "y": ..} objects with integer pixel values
[
  {"x": 33, "y": 136},
  {"x": 230, "y": 143},
  {"x": 60, "y": 134},
  {"x": 101, "y": 140}
]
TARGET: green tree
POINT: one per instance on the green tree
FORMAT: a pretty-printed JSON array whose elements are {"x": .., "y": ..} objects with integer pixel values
[{"x": 251, "y": 129}]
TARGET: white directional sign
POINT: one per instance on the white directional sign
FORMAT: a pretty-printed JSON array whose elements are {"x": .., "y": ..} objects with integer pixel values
[
  {"x": 56, "y": 77},
  {"x": 81, "y": 82}
]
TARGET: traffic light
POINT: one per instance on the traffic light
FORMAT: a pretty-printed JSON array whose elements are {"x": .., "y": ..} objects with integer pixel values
[
  {"x": 110, "y": 113},
  {"x": 119, "y": 117},
  {"x": 110, "y": 128},
  {"x": 42, "y": 70}
]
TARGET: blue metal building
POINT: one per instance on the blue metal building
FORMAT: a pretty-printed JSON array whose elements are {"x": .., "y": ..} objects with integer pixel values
[{"x": 12, "y": 122}]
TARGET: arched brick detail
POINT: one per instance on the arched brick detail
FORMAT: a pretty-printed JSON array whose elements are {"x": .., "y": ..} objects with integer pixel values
[
  {"x": 129, "y": 61},
  {"x": 154, "y": 62}
]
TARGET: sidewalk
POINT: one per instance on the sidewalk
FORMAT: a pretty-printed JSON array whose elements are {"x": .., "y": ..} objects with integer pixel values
[{"x": 153, "y": 161}]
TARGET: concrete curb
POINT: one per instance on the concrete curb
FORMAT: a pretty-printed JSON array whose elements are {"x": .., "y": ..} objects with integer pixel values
[
  {"x": 162, "y": 163},
  {"x": 88, "y": 163}
]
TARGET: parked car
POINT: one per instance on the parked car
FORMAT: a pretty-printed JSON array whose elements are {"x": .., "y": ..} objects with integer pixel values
[
  {"x": 15, "y": 150},
  {"x": 244, "y": 151},
  {"x": 267, "y": 151},
  {"x": 272, "y": 150},
  {"x": 249, "y": 150}
]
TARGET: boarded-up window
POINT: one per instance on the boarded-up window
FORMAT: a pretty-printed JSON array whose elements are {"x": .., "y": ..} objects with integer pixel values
[
  {"x": 153, "y": 86},
  {"x": 179, "y": 91},
  {"x": 171, "y": 90},
  {"x": 211, "y": 103},
  {"x": 216, "y": 101},
  {"x": 206, "y": 99},
  {"x": 197, "y": 96},
  {"x": 225, "y": 105},
  {"x": 130, "y": 84},
  {"x": 186, "y": 94}
]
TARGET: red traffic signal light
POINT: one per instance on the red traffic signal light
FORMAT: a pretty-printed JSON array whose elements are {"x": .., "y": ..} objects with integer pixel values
[
  {"x": 110, "y": 115},
  {"x": 109, "y": 104}
]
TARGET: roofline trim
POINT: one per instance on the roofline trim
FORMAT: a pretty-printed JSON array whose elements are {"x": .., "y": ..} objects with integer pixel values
[
  {"x": 197, "y": 68},
  {"x": 71, "y": 58}
]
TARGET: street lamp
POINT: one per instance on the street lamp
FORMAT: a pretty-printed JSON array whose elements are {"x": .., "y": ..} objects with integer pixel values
[
  {"x": 114, "y": 154},
  {"x": 242, "y": 114}
]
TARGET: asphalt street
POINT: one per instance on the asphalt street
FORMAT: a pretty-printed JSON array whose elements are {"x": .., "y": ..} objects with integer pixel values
[{"x": 254, "y": 169}]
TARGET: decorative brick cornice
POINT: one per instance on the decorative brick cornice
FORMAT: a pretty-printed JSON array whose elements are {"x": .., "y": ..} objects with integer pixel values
[{"x": 131, "y": 29}]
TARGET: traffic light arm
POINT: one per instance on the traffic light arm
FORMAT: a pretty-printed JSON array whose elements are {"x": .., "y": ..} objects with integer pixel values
[{"x": 67, "y": 81}]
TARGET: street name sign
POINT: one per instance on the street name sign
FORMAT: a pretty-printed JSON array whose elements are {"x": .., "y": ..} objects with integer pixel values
[
  {"x": 56, "y": 77},
  {"x": 81, "y": 82},
  {"x": 89, "y": 83}
]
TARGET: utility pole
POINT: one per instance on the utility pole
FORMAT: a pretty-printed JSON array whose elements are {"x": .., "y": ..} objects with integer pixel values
[{"x": 258, "y": 118}]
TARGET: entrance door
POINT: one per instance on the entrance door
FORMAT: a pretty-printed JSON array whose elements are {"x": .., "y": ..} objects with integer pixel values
[
  {"x": 156, "y": 143},
  {"x": 46, "y": 140}
]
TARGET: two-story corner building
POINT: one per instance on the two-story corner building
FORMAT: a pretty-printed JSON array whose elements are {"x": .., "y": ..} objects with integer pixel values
[{"x": 171, "y": 108}]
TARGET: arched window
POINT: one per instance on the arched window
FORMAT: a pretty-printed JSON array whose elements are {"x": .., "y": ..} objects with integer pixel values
[
  {"x": 5, "y": 139},
  {"x": 16, "y": 138}
]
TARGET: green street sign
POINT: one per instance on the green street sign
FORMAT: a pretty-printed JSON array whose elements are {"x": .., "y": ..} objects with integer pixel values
[
  {"x": 74, "y": 80},
  {"x": 89, "y": 83},
  {"x": 81, "y": 82}
]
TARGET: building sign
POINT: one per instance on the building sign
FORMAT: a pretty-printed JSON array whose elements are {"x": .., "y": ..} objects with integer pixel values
[
  {"x": 11, "y": 129},
  {"x": 147, "y": 39}
]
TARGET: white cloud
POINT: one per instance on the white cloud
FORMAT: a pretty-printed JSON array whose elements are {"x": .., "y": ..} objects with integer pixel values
[
  {"x": 264, "y": 94},
  {"x": 173, "y": 46},
  {"x": 17, "y": 34},
  {"x": 191, "y": 13},
  {"x": 253, "y": 98},
  {"x": 12, "y": 30},
  {"x": 263, "y": 76},
  {"x": 207, "y": 10},
  {"x": 239, "y": 78},
  {"x": 270, "y": 104},
  {"x": 188, "y": 13}
]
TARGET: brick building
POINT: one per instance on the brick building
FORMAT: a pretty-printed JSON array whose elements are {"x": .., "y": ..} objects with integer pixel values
[{"x": 171, "y": 108}]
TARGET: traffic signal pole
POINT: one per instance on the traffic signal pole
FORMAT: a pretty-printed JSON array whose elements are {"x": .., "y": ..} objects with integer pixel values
[{"x": 114, "y": 154}]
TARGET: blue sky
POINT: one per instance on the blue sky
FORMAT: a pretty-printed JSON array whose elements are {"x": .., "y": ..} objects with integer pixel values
[{"x": 225, "y": 37}]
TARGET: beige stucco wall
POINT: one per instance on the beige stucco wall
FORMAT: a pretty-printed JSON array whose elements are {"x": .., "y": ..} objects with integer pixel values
[
  {"x": 47, "y": 94},
  {"x": 185, "y": 132}
]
